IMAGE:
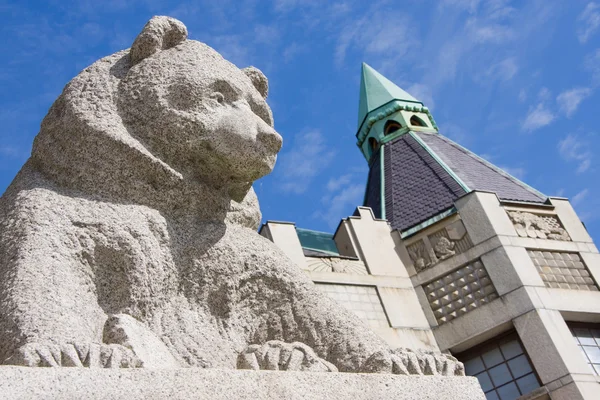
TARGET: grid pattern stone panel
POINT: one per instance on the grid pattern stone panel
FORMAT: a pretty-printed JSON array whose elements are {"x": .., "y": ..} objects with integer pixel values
[
  {"x": 587, "y": 337},
  {"x": 562, "y": 270},
  {"x": 460, "y": 291},
  {"x": 361, "y": 300},
  {"x": 502, "y": 368}
]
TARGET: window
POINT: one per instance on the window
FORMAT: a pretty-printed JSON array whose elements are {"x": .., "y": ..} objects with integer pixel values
[
  {"x": 587, "y": 337},
  {"x": 416, "y": 121},
  {"x": 373, "y": 144},
  {"x": 502, "y": 368},
  {"x": 391, "y": 126}
]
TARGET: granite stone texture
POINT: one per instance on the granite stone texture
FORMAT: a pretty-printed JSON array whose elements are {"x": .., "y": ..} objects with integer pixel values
[
  {"x": 194, "y": 383},
  {"x": 129, "y": 237}
]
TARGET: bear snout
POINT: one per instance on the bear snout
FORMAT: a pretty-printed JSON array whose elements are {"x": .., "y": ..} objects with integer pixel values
[{"x": 270, "y": 139}]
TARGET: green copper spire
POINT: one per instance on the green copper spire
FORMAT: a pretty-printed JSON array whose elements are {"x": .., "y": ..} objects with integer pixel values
[
  {"x": 385, "y": 112},
  {"x": 376, "y": 90}
]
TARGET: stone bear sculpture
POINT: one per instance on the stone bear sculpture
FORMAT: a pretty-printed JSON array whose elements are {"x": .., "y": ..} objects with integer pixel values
[{"x": 129, "y": 237}]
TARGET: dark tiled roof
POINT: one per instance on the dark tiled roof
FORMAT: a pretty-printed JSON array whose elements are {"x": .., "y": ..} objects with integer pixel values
[
  {"x": 478, "y": 174},
  {"x": 416, "y": 186},
  {"x": 373, "y": 191}
]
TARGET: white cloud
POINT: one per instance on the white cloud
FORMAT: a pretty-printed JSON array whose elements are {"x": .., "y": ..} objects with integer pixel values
[
  {"x": 544, "y": 94},
  {"x": 340, "y": 202},
  {"x": 537, "y": 117},
  {"x": 422, "y": 92},
  {"x": 291, "y": 51},
  {"x": 391, "y": 37},
  {"x": 571, "y": 148},
  {"x": 588, "y": 21},
  {"x": 503, "y": 70},
  {"x": 298, "y": 167},
  {"x": 592, "y": 64},
  {"x": 11, "y": 151},
  {"x": 266, "y": 34},
  {"x": 335, "y": 184},
  {"x": 569, "y": 100},
  {"x": 469, "y": 5},
  {"x": 578, "y": 198},
  {"x": 483, "y": 32},
  {"x": 522, "y": 95},
  {"x": 232, "y": 48}
]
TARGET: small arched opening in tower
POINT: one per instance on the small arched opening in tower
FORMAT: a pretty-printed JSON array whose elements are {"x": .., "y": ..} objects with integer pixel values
[
  {"x": 391, "y": 126},
  {"x": 416, "y": 121},
  {"x": 373, "y": 144}
]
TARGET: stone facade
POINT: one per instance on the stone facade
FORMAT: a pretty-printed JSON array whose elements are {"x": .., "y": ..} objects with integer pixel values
[{"x": 509, "y": 268}]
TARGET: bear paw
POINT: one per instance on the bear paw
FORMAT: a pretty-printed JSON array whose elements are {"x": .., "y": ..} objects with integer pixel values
[
  {"x": 74, "y": 355},
  {"x": 276, "y": 355},
  {"x": 410, "y": 362}
]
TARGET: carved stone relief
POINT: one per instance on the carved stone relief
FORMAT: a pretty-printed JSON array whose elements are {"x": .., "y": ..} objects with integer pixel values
[
  {"x": 438, "y": 246},
  {"x": 538, "y": 226},
  {"x": 336, "y": 264}
]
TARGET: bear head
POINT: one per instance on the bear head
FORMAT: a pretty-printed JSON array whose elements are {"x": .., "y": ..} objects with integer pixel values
[{"x": 168, "y": 123}]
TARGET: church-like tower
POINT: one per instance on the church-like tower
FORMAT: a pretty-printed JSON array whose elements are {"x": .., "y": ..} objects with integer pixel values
[{"x": 416, "y": 174}]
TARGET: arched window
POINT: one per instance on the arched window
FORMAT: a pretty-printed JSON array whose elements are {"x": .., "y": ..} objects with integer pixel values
[
  {"x": 373, "y": 144},
  {"x": 416, "y": 121},
  {"x": 391, "y": 126}
]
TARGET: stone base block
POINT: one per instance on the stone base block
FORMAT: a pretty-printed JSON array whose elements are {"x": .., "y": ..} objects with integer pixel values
[{"x": 173, "y": 384}]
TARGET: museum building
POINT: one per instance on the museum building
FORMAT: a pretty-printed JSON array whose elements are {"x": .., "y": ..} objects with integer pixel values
[{"x": 451, "y": 253}]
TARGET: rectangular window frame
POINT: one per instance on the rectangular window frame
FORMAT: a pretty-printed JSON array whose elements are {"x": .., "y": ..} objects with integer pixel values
[
  {"x": 496, "y": 343},
  {"x": 586, "y": 325}
]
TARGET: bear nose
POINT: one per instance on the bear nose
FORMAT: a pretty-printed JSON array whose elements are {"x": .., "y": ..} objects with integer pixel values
[{"x": 270, "y": 138}]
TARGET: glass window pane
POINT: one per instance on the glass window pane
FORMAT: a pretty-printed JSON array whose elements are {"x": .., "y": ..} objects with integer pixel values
[
  {"x": 500, "y": 375},
  {"x": 508, "y": 392},
  {"x": 584, "y": 336},
  {"x": 484, "y": 381},
  {"x": 474, "y": 366},
  {"x": 519, "y": 366},
  {"x": 593, "y": 353},
  {"x": 492, "y": 357},
  {"x": 528, "y": 383},
  {"x": 492, "y": 395},
  {"x": 511, "y": 349},
  {"x": 597, "y": 368}
]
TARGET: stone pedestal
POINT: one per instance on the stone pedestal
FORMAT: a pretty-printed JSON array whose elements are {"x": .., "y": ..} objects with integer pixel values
[{"x": 190, "y": 383}]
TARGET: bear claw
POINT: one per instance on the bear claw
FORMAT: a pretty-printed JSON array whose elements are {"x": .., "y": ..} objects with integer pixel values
[
  {"x": 276, "y": 355},
  {"x": 74, "y": 355}
]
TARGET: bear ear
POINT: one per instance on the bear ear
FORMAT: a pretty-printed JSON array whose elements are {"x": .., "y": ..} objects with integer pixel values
[
  {"x": 160, "y": 33},
  {"x": 259, "y": 80}
]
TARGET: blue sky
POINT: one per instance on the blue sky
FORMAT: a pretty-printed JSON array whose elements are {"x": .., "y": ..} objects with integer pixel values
[{"x": 516, "y": 82}]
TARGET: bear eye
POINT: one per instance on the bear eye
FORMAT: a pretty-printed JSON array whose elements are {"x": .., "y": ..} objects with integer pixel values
[{"x": 218, "y": 96}]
